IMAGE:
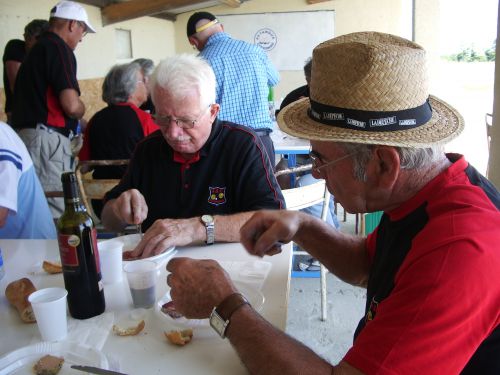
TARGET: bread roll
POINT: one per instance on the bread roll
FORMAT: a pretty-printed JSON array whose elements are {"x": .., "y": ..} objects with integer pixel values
[{"x": 17, "y": 293}]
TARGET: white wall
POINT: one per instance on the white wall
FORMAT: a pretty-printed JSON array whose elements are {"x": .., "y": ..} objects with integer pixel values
[{"x": 151, "y": 37}]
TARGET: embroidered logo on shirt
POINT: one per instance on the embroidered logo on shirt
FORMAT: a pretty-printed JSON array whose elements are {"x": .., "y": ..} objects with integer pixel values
[{"x": 217, "y": 195}]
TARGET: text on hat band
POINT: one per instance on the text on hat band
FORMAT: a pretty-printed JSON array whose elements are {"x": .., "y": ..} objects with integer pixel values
[{"x": 370, "y": 120}]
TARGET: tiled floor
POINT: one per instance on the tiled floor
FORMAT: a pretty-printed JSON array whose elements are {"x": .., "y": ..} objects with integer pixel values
[{"x": 332, "y": 338}]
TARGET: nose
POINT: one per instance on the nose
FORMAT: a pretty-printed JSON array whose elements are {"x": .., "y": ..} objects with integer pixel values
[{"x": 172, "y": 131}]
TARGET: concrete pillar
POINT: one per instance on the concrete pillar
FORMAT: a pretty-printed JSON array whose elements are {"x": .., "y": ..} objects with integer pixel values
[{"x": 494, "y": 159}]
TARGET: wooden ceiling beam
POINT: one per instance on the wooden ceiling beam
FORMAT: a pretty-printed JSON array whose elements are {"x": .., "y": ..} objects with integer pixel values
[
  {"x": 139, "y": 8},
  {"x": 316, "y": 1},
  {"x": 231, "y": 3}
]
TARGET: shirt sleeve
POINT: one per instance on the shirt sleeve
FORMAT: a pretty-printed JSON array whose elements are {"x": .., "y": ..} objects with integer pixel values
[
  {"x": 273, "y": 76},
  {"x": 427, "y": 324},
  {"x": 62, "y": 69},
  {"x": 11, "y": 168},
  {"x": 14, "y": 51}
]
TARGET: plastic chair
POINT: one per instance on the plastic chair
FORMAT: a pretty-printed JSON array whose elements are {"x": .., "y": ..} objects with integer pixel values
[{"x": 306, "y": 196}]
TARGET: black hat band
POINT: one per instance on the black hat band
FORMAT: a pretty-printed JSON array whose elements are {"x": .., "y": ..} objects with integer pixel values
[{"x": 378, "y": 121}]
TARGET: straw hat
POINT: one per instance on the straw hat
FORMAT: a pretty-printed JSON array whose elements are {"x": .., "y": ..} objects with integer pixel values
[{"x": 371, "y": 88}]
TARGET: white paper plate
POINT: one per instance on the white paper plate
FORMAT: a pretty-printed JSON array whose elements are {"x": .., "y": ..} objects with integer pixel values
[
  {"x": 253, "y": 295},
  {"x": 130, "y": 241},
  {"x": 21, "y": 361}
]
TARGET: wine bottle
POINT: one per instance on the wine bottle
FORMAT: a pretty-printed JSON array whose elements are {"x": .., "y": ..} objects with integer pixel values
[{"x": 79, "y": 254}]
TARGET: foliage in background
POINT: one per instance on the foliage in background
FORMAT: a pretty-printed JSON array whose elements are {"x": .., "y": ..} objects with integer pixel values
[{"x": 469, "y": 54}]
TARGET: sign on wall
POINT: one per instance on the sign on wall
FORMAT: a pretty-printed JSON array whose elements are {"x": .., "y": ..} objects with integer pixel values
[{"x": 287, "y": 37}]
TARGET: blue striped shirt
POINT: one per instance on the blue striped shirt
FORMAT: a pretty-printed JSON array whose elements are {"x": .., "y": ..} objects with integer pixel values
[{"x": 244, "y": 74}]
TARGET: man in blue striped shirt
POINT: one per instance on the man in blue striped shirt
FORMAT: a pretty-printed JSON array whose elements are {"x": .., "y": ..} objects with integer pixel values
[{"x": 243, "y": 72}]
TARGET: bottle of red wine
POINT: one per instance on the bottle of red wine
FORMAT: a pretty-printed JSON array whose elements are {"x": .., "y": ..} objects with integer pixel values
[{"x": 79, "y": 255}]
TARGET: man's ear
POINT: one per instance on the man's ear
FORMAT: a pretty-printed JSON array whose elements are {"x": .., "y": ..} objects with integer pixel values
[
  {"x": 193, "y": 41},
  {"x": 385, "y": 164},
  {"x": 214, "y": 110}
]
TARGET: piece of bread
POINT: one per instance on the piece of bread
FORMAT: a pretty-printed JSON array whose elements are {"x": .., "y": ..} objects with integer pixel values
[
  {"x": 17, "y": 293},
  {"x": 180, "y": 338},
  {"x": 130, "y": 331},
  {"x": 52, "y": 267},
  {"x": 48, "y": 365}
]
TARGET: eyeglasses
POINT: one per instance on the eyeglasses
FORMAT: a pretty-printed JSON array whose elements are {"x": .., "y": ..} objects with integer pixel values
[
  {"x": 318, "y": 164},
  {"x": 84, "y": 27},
  {"x": 182, "y": 123}
]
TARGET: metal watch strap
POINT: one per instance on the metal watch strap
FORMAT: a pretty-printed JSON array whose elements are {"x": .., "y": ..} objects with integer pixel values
[{"x": 228, "y": 307}]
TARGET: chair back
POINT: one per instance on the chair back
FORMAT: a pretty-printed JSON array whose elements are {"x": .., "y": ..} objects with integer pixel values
[
  {"x": 306, "y": 196},
  {"x": 91, "y": 188}
]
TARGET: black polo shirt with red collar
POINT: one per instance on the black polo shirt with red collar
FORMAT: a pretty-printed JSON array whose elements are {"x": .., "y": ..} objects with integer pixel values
[
  {"x": 230, "y": 174},
  {"x": 48, "y": 69}
]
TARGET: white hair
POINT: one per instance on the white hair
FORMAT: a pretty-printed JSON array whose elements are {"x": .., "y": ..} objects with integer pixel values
[
  {"x": 180, "y": 74},
  {"x": 410, "y": 158}
]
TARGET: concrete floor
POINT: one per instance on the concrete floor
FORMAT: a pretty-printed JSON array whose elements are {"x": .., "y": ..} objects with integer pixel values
[{"x": 332, "y": 338}]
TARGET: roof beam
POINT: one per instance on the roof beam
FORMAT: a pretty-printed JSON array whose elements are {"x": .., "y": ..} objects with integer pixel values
[
  {"x": 231, "y": 3},
  {"x": 316, "y": 1},
  {"x": 139, "y": 8}
]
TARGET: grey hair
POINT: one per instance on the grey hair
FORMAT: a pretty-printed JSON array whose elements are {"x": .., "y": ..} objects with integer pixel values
[
  {"x": 120, "y": 83},
  {"x": 410, "y": 158},
  {"x": 147, "y": 66},
  {"x": 180, "y": 74}
]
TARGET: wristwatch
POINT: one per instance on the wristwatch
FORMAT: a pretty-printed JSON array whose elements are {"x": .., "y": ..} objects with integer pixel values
[
  {"x": 221, "y": 315},
  {"x": 208, "y": 220}
]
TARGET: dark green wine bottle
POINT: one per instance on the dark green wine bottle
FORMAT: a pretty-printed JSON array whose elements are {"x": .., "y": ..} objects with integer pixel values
[{"x": 79, "y": 255}]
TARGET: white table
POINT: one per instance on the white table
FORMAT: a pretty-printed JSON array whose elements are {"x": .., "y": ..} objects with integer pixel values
[{"x": 149, "y": 352}]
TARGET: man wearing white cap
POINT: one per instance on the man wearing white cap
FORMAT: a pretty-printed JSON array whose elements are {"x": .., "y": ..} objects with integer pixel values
[
  {"x": 431, "y": 268},
  {"x": 47, "y": 105}
]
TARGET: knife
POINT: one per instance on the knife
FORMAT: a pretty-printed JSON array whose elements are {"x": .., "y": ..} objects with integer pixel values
[{"x": 96, "y": 370}]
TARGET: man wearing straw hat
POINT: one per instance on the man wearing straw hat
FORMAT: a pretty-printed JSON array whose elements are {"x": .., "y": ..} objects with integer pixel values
[{"x": 431, "y": 268}]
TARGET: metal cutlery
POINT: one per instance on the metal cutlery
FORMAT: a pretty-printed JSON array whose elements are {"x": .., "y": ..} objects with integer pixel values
[{"x": 96, "y": 370}]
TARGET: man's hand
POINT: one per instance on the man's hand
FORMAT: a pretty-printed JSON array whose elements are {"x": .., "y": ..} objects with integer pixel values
[
  {"x": 130, "y": 207},
  {"x": 197, "y": 286},
  {"x": 165, "y": 233},
  {"x": 264, "y": 232}
]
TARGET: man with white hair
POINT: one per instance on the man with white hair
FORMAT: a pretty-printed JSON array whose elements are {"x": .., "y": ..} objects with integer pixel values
[
  {"x": 431, "y": 268},
  {"x": 197, "y": 179},
  {"x": 47, "y": 104}
]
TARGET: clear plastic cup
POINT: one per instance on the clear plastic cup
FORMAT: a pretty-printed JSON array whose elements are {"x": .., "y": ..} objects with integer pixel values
[
  {"x": 49, "y": 306},
  {"x": 141, "y": 277},
  {"x": 111, "y": 255}
]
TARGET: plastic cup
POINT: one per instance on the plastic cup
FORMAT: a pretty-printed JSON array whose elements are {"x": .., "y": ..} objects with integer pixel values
[
  {"x": 141, "y": 277},
  {"x": 110, "y": 255},
  {"x": 49, "y": 306}
]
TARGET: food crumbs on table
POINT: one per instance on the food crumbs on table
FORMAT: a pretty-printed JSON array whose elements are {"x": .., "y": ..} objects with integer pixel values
[
  {"x": 130, "y": 331},
  {"x": 180, "y": 338}
]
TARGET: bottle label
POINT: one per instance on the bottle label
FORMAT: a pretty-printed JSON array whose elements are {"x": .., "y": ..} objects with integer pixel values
[{"x": 68, "y": 249}]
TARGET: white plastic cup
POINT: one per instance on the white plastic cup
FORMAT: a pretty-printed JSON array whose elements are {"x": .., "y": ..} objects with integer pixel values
[
  {"x": 49, "y": 306},
  {"x": 141, "y": 277},
  {"x": 111, "y": 255}
]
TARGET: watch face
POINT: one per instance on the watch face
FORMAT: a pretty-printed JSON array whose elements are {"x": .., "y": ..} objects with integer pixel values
[
  {"x": 218, "y": 324},
  {"x": 207, "y": 219}
]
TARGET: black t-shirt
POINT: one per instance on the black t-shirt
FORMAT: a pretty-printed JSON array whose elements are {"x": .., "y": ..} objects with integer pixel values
[
  {"x": 294, "y": 95},
  {"x": 233, "y": 174},
  {"x": 48, "y": 69},
  {"x": 15, "y": 50}
]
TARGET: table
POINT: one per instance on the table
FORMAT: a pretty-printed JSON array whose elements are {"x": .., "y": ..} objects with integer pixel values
[
  {"x": 147, "y": 353},
  {"x": 285, "y": 144}
]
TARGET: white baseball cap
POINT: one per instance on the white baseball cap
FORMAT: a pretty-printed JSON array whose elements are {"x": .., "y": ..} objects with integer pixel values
[{"x": 70, "y": 10}]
